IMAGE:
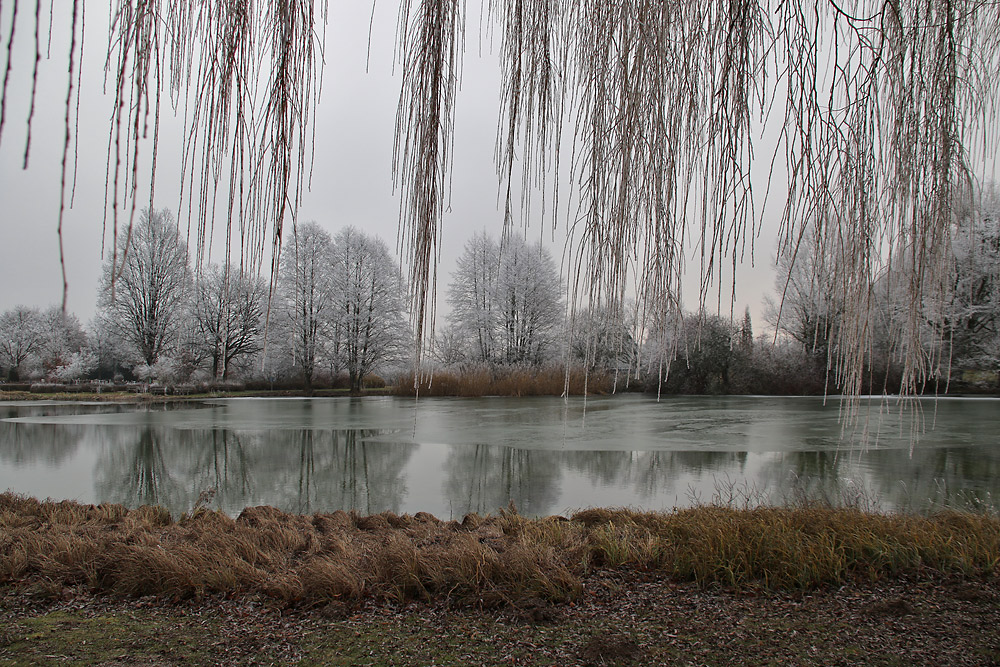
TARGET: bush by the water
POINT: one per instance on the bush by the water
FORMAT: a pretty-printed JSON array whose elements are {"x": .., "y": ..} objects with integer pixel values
[{"x": 481, "y": 559}]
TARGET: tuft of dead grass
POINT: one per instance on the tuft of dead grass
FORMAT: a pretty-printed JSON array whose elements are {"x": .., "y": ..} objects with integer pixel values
[{"x": 488, "y": 560}]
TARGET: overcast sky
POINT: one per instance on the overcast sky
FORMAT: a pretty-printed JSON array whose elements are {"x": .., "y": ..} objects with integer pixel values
[{"x": 351, "y": 182}]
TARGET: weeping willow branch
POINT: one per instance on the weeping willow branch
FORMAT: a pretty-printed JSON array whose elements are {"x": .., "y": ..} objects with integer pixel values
[
  {"x": 74, "y": 66},
  {"x": 431, "y": 47},
  {"x": 8, "y": 68},
  {"x": 136, "y": 41},
  {"x": 533, "y": 58},
  {"x": 246, "y": 74},
  {"x": 665, "y": 93},
  {"x": 879, "y": 158},
  {"x": 289, "y": 102}
]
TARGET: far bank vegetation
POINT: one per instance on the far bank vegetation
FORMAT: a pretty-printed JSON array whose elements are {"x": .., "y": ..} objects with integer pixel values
[{"x": 337, "y": 319}]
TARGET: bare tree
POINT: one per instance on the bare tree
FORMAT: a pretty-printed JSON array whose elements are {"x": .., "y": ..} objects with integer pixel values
[
  {"x": 809, "y": 308},
  {"x": 22, "y": 338},
  {"x": 529, "y": 298},
  {"x": 144, "y": 298},
  {"x": 972, "y": 313},
  {"x": 65, "y": 339},
  {"x": 367, "y": 308},
  {"x": 228, "y": 314},
  {"x": 506, "y": 300},
  {"x": 472, "y": 297},
  {"x": 305, "y": 299},
  {"x": 603, "y": 338}
]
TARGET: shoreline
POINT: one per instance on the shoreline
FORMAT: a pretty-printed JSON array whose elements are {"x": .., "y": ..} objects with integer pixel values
[{"x": 141, "y": 398}]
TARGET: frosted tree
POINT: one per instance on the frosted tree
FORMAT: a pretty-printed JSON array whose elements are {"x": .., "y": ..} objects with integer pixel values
[
  {"x": 529, "y": 298},
  {"x": 367, "y": 312},
  {"x": 745, "y": 331},
  {"x": 604, "y": 338},
  {"x": 144, "y": 293},
  {"x": 305, "y": 306},
  {"x": 228, "y": 309},
  {"x": 77, "y": 365},
  {"x": 705, "y": 357},
  {"x": 22, "y": 339},
  {"x": 65, "y": 340},
  {"x": 972, "y": 313},
  {"x": 809, "y": 308},
  {"x": 506, "y": 301},
  {"x": 472, "y": 295}
]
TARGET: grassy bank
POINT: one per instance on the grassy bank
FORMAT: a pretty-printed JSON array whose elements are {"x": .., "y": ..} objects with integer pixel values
[{"x": 489, "y": 561}]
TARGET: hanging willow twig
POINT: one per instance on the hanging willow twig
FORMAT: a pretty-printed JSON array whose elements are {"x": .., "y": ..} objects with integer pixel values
[
  {"x": 431, "y": 48},
  {"x": 246, "y": 75},
  {"x": 137, "y": 40},
  {"x": 879, "y": 158},
  {"x": 8, "y": 68},
  {"x": 533, "y": 58},
  {"x": 74, "y": 66}
]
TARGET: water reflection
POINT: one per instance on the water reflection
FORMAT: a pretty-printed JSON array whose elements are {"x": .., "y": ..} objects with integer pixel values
[
  {"x": 32, "y": 443},
  {"x": 225, "y": 466},
  {"x": 454, "y": 457},
  {"x": 299, "y": 471},
  {"x": 49, "y": 443},
  {"x": 306, "y": 471},
  {"x": 482, "y": 478}
]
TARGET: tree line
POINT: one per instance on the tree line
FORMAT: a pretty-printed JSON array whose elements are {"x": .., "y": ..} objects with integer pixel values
[
  {"x": 335, "y": 309},
  {"x": 336, "y": 315}
]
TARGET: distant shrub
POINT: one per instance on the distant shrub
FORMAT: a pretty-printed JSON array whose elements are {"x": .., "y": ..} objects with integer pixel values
[
  {"x": 373, "y": 381},
  {"x": 51, "y": 388}
]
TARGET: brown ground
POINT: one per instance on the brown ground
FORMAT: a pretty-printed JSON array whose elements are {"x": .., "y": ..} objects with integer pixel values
[{"x": 622, "y": 618}]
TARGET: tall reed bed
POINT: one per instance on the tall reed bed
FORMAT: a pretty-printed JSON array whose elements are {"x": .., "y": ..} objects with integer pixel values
[
  {"x": 487, "y": 560},
  {"x": 516, "y": 381}
]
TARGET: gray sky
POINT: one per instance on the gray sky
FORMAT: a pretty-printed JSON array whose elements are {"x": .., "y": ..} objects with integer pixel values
[{"x": 351, "y": 182}]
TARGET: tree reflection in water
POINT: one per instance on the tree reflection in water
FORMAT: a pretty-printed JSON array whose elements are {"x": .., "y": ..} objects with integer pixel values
[
  {"x": 226, "y": 465},
  {"x": 653, "y": 476},
  {"x": 307, "y": 471},
  {"x": 326, "y": 455},
  {"x": 936, "y": 478},
  {"x": 485, "y": 478},
  {"x": 135, "y": 472},
  {"x": 827, "y": 476},
  {"x": 22, "y": 444},
  {"x": 26, "y": 443}
]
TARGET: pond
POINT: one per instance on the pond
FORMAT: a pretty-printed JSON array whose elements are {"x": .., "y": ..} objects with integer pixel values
[{"x": 451, "y": 456}]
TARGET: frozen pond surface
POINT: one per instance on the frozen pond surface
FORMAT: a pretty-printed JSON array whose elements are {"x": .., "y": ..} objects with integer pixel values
[{"x": 548, "y": 455}]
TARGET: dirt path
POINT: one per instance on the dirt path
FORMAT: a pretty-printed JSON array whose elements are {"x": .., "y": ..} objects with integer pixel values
[{"x": 622, "y": 618}]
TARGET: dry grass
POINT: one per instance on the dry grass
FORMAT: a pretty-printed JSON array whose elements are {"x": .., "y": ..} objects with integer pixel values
[
  {"x": 507, "y": 382},
  {"x": 487, "y": 560}
]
